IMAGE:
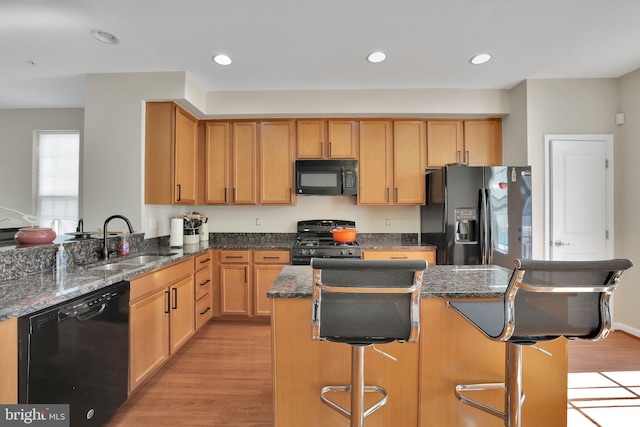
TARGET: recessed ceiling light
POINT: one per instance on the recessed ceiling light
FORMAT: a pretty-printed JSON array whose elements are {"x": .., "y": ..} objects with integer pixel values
[
  {"x": 105, "y": 37},
  {"x": 480, "y": 59},
  {"x": 376, "y": 57},
  {"x": 222, "y": 59}
]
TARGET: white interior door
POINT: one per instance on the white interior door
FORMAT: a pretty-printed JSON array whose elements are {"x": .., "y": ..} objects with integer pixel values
[{"x": 580, "y": 198}]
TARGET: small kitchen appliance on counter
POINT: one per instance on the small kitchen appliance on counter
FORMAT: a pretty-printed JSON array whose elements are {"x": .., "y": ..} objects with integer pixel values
[{"x": 316, "y": 240}]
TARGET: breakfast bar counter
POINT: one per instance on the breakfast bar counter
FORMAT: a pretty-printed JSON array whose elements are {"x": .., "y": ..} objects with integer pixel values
[{"x": 421, "y": 382}]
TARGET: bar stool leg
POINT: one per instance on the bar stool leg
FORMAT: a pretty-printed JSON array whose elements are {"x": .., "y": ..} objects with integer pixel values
[
  {"x": 357, "y": 386},
  {"x": 513, "y": 392}
]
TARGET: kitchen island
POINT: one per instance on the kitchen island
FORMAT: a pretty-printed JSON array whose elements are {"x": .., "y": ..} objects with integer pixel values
[{"x": 421, "y": 383}]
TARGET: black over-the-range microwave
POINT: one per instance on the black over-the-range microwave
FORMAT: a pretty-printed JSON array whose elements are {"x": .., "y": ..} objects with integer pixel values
[{"x": 327, "y": 177}]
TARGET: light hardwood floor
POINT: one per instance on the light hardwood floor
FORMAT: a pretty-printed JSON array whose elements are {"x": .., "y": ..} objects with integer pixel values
[{"x": 222, "y": 377}]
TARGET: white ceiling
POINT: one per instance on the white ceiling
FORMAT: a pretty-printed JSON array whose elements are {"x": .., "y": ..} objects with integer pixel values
[{"x": 311, "y": 44}]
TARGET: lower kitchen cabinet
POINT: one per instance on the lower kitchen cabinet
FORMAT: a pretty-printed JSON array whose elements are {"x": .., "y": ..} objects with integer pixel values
[
  {"x": 427, "y": 254},
  {"x": 161, "y": 318},
  {"x": 245, "y": 278},
  {"x": 203, "y": 283},
  {"x": 9, "y": 361},
  {"x": 235, "y": 282},
  {"x": 267, "y": 266}
]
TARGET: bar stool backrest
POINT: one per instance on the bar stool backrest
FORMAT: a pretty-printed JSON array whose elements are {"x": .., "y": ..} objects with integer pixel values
[
  {"x": 362, "y": 302},
  {"x": 549, "y": 299}
]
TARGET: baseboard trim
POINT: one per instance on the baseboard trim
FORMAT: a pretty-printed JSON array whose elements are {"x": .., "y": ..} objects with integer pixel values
[{"x": 626, "y": 328}]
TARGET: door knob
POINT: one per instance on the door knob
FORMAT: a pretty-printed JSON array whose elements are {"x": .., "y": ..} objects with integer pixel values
[{"x": 561, "y": 243}]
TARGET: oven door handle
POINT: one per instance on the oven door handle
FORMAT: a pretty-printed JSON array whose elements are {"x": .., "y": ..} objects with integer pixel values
[{"x": 81, "y": 317}]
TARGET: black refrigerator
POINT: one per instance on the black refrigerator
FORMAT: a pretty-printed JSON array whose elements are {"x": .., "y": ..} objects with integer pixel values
[{"x": 478, "y": 214}]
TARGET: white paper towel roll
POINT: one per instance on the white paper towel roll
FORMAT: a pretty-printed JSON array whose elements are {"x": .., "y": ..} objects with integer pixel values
[
  {"x": 204, "y": 232},
  {"x": 176, "y": 238}
]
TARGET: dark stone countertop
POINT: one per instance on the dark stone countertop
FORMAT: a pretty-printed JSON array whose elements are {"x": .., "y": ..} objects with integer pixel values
[{"x": 440, "y": 281}]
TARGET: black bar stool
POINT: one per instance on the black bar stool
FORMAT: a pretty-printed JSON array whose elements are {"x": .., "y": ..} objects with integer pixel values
[
  {"x": 361, "y": 303},
  {"x": 544, "y": 300}
]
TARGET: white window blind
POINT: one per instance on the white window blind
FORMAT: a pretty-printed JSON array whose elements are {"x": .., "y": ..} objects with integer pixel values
[{"x": 58, "y": 181}]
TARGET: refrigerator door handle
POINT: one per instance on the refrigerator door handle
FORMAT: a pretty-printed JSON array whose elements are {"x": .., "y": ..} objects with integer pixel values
[
  {"x": 485, "y": 225},
  {"x": 489, "y": 237}
]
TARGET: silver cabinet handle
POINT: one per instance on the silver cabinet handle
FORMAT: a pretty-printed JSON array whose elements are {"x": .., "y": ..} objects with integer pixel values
[{"x": 561, "y": 243}]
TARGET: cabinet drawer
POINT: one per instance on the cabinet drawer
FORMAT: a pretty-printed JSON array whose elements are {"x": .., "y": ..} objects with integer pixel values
[
  {"x": 156, "y": 279},
  {"x": 204, "y": 311},
  {"x": 229, "y": 256},
  {"x": 428, "y": 255},
  {"x": 203, "y": 282},
  {"x": 203, "y": 260},
  {"x": 271, "y": 257}
]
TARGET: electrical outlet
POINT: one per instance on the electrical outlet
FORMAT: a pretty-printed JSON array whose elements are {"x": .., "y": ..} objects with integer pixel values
[
  {"x": 387, "y": 222},
  {"x": 258, "y": 222}
]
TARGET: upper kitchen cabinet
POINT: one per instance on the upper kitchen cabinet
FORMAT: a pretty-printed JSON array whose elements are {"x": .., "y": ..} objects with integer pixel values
[
  {"x": 483, "y": 142},
  {"x": 171, "y": 147},
  {"x": 392, "y": 162},
  {"x": 244, "y": 152},
  {"x": 327, "y": 139},
  {"x": 218, "y": 162},
  {"x": 231, "y": 160},
  {"x": 249, "y": 163},
  {"x": 276, "y": 160},
  {"x": 474, "y": 142}
]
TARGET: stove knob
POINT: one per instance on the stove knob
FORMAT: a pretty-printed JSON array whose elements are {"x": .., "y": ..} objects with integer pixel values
[{"x": 312, "y": 252}]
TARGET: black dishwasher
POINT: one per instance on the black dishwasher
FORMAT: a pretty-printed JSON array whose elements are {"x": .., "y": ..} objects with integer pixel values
[{"x": 77, "y": 353}]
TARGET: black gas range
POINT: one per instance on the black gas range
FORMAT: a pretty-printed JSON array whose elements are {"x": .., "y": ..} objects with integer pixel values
[{"x": 314, "y": 240}]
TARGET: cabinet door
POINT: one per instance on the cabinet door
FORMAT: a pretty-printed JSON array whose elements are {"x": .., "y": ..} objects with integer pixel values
[
  {"x": 445, "y": 142},
  {"x": 217, "y": 163},
  {"x": 264, "y": 276},
  {"x": 276, "y": 163},
  {"x": 310, "y": 139},
  {"x": 182, "y": 313},
  {"x": 343, "y": 140},
  {"x": 234, "y": 281},
  {"x": 375, "y": 167},
  {"x": 9, "y": 361},
  {"x": 149, "y": 336},
  {"x": 244, "y": 154},
  {"x": 409, "y": 145},
  {"x": 186, "y": 142},
  {"x": 483, "y": 142}
]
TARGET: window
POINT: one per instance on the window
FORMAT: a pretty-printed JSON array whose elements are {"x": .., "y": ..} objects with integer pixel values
[{"x": 58, "y": 180}]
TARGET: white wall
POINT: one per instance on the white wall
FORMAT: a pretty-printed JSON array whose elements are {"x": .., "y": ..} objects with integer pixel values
[
  {"x": 627, "y": 204},
  {"x": 113, "y": 171},
  {"x": 568, "y": 106},
  {"x": 16, "y": 144},
  {"x": 359, "y": 103}
]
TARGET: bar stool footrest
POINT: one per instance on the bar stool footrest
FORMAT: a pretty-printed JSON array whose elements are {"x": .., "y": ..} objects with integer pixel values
[
  {"x": 347, "y": 388},
  {"x": 478, "y": 405}
]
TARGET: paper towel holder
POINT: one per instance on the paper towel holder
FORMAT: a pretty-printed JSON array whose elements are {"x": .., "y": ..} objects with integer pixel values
[{"x": 176, "y": 237}]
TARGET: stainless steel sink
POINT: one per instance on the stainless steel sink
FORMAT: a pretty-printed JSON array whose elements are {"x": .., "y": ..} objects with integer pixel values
[
  {"x": 143, "y": 259},
  {"x": 116, "y": 266}
]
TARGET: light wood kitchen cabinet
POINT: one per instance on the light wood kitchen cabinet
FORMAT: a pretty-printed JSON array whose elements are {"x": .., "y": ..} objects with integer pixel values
[
  {"x": 392, "y": 163},
  {"x": 276, "y": 159},
  {"x": 422, "y": 253},
  {"x": 483, "y": 142},
  {"x": 244, "y": 162},
  {"x": 476, "y": 142},
  {"x": 9, "y": 361},
  {"x": 235, "y": 282},
  {"x": 218, "y": 163},
  {"x": 267, "y": 266},
  {"x": 327, "y": 139},
  {"x": 171, "y": 148},
  {"x": 161, "y": 318},
  {"x": 245, "y": 278},
  {"x": 202, "y": 284}
]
